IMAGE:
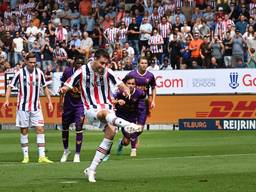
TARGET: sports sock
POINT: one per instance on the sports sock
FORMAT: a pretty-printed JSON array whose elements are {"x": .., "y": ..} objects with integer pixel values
[
  {"x": 24, "y": 144},
  {"x": 101, "y": 152},
  {"x": 65, "y": 136},
  {"x": 41, "y": 144},
  {"x": 117, "y": 121},
  {"x": 133, "y": 139},
  {"x": 79, "y": 140}
]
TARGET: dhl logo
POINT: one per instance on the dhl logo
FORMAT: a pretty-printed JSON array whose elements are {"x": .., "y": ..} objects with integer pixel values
[{"x": 223, "y": 109}]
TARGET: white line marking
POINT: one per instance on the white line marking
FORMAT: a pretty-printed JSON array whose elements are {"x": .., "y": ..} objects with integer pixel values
[
  {"x": 194, "y": 156},
  {"x": 143, "y": 159},
  {"x": 68, "y": 182}
]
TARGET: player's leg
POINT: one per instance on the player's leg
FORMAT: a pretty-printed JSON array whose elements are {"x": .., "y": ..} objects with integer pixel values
[
  {"x": 103, "y": 148},
  {"x": 143, "y": 112},
  {"x": 134, "y": 142},
  {"x": 79, "y": 119},
  {"x": 101, "y": 152},
  {"x": 37, "y": 121},
  {"x": 22, "y": 121},
  {"x": 66, "y": 121},
  {"x": 24, "y": 144},
  {"x": 119, "y": 122},
  {"x": 123, "y": 142}
]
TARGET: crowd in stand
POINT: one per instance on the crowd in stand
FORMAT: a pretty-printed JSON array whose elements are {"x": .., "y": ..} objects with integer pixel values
[{"x": 172, "y": 34}]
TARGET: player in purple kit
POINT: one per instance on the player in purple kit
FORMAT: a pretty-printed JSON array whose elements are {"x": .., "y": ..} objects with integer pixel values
[
  {"x": 128, "y": 109},
  {"x": 73, "y": 112},
  {"x": 145, "y": 81}
]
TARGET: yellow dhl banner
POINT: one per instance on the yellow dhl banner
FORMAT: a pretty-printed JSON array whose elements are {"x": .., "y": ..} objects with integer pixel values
[{"x": 169, "y": 109}]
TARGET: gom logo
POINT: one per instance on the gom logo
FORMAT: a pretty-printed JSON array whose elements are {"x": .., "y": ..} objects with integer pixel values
[
  {"x": 228, "y": 108},
  {"x": 221, "y": 109}
]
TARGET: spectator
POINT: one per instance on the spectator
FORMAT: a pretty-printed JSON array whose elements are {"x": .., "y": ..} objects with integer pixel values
[
  {"x": 156, "y": 45},
  {"x": 166, "y": 65},
  {"x": 145, "y": 33},
  {"x": 174, "y": 52},
  {"x": 227, "y": 42},
  {"x": 238, "y": 44},
  {"x": 133, "y": 35},
  {"x": 195, "y": 48},
  {"x": 217, "y": 50},
  {"x": 241, "y": 25},
  {"x": 129, "y": 50},
  {"x": 18, "y": 45},
  {"x": 47, "y": 54},
  {"x": 86, "y": 45}
]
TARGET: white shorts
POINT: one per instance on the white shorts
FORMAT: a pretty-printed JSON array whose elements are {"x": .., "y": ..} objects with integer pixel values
[
  {"x": 29, "y": 118},
  {"x": 91, "y": 115}
]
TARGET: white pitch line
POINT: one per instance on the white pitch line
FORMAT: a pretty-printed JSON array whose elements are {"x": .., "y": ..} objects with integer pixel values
[
  {"x": 68, "y": 182},
  {"x": 193, "y": 156},
  {"x": 142, "y": 159}
]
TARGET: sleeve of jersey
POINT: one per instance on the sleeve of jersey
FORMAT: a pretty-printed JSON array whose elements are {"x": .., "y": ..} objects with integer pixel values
[
  {"x": 15, "y": 80},
  {"x": 73, "y": 80},
  {"x": 153, "y": 82},
  {"x": 113, "y": 79},
  {"x": 63, "y": 77},
  {"x": 43, "y": 81}
]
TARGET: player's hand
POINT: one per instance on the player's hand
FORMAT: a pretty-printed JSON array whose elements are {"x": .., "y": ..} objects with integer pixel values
[
  {"x": 127, "y": 94},
  {"x": 5, "y": 105},
  {"x": 121, "y": 102},
  {"x": 153, "y": 105},
  {"x": 50, "y": 106},
  {"x": 63, "y": 90},
  {"x": 60, "y": 106}
]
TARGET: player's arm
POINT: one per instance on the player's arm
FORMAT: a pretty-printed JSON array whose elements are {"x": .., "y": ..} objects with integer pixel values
[
  {"x": 7, "y": 96},
  {"x": 61, "y": 101},
  {"x": 124, "y": 89},
  {"x": 48, "y": 96},
  {"x": 46, "y": 91},
  {"x": 13, "y": 83},
  {"x": 153, "y": 103},
  {"x": 73, "y": 80},
  {"x": 118, "y": 83},
  {"x": 153, "y": 90}
]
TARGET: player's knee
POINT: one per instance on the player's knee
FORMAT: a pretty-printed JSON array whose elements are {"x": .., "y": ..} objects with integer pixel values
[
  {"x": 102, "y": 115},
  {"x": 126, "y": 141},
  {"x": 24, "y": 131},
  {"x": 79, "y": 127},
  {"x": 110, "y": 132},
  {"x": 39, "y": 130}
]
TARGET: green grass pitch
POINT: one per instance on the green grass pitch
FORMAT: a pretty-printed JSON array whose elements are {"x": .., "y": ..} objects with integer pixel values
[{"x": 177, "y": 161}]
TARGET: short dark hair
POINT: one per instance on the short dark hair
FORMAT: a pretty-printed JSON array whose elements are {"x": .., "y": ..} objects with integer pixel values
[
  {"x": 101, "y": 53},
  {"x": 127, "y": 78},
  {"x": 144, "y": 58},
  {"x": 79, "y": 59},
  {"x": 30, "y": 55}
]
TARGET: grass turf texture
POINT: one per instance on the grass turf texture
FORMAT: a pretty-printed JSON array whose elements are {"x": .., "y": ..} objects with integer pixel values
[{"x": 212, "y": 161}]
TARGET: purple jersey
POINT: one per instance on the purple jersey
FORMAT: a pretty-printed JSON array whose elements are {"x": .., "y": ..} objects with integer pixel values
[
  {"x": 73, "y": 96},
  {"x": 144, "y": 81},
  {"x": 130, "y": 111}
]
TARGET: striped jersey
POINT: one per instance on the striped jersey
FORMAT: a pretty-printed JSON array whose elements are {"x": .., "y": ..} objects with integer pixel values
[
  {"x": 156, "y": 43},
  {"x": 96, "y": 90},
  {"x": 122, "y": 33},
  {"x": 29, "y": 85},
  {"x": 111, "y": 34},
  {"x": 165, "y": 29}
]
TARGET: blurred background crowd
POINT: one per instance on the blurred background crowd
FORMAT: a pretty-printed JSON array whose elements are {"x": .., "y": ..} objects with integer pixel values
[{"x": 172, "y": 34}]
